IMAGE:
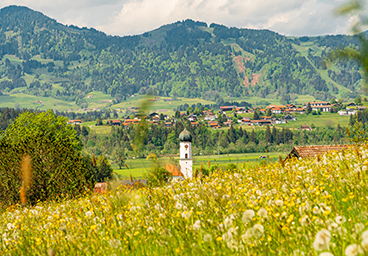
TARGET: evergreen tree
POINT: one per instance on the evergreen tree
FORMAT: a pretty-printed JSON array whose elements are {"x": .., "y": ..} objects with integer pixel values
[
  {"x": 274, "y": 131},
  {"x": 252, "y": 137},
  {"x": 245, "y": 136},
  {"x": 256, "y": 115},
  {"x": 177, "y": 114},
  {"x": 308, "y": 109},
  {"x": 268, "y": 134}
]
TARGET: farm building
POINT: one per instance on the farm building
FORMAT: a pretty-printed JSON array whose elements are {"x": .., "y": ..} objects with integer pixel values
[{"x": 312, "y": 151}]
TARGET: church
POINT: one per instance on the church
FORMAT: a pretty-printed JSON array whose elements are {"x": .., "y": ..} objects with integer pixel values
[{"x": 185, "y": 160}]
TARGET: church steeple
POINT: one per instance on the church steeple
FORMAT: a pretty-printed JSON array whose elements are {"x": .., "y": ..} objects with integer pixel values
[{"x": 185, "y": 161}]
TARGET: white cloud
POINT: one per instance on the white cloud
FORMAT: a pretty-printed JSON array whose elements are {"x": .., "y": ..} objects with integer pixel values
[{"x": 123, "y": 17}]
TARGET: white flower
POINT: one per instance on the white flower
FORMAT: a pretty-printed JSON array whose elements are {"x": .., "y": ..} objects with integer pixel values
[
  {"x": 326, "y": 254},
  {"x": 114, "y": 243},
  {"x": 333, "y": 226},
  {"x": 365, "y": 245},
  {"x": 186, "y": 214},
  {"x": 304, "y": 221},
  {"x": 178, "y": 205},
  {"x": 248, "y": 216},
  {"x": 353, "y": 250},
  {"x": 340, "y": 219},
  {"x": 228, "y": 221},
  {"x": 207, "y": 238},
  {"x": 316, "y": 210},
  {"x": 258, "y": 230},
  {"x": 365, "y": 235},
  {"x": 89, "y": 214},
  {"x": 226, "y": 197},
  {"x": 279, "y": 203},
  {"x": 248, "y": 235},
  {"x": 322, "y": 240},
  {"x": 262, "y": 213},
  {"x": 10, "y": 226},
  {"x": 150, "y": 229},
  {"x": 197, "y": 225},
  {"x": 200, "y": 203}
]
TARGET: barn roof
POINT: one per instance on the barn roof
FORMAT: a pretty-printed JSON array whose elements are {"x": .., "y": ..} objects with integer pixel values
[{"x": 311, "y": 151}]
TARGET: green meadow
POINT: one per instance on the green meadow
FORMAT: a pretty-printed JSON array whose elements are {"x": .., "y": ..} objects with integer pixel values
[
  {"x": 323, "y": 120},
  {"x": 154, "y": 106},
  {"x": 138, "y": 167}
]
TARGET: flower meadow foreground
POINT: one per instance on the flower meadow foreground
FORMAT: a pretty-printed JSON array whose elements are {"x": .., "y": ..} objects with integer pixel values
[{"x": 303, "y": 207}]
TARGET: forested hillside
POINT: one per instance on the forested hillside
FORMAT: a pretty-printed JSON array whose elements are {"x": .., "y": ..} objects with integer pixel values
[{"x": 42, "y": 57}]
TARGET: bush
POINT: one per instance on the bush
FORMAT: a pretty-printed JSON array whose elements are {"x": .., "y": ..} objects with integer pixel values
[
  {"x": 57, "y": 167},
  {"x": 104, "y": 170},
  {"x": 158, "y": 176}
]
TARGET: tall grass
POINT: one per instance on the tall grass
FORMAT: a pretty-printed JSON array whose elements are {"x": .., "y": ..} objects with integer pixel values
[{"x": 300, "y": 207}]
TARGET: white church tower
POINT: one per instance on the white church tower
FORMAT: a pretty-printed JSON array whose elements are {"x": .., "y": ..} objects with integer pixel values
[{"x": 185, "y": 160}]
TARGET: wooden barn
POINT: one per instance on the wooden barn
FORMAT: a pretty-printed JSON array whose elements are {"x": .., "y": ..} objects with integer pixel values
[{"x": 312, "y": 151}]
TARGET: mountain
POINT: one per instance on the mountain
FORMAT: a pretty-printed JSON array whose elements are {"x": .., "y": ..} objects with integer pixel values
[{"x": 40, "y": 56}]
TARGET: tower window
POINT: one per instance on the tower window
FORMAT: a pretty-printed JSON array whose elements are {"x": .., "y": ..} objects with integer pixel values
[{"x": 186, "y": 155}]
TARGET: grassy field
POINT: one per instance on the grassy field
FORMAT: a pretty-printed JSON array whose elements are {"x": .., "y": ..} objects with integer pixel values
[
  {"x": 137, "y": 167},
  {"x": 314, "y": 206},
  {"x": 29, "y": 101},
  {"x": 255, "y": 101},
  {"x": 139, "y": 100},
  {"x": 323, "y": 120}
]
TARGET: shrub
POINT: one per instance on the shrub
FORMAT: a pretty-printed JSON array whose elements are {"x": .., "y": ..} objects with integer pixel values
[
  {"x": 58, "y": 170},
  {"x": 158, "y": 176},
  {"x": 103, "y": 170}
]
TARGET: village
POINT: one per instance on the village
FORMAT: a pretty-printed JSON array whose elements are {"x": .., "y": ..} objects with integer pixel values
[{"x": 229, "y": 115}]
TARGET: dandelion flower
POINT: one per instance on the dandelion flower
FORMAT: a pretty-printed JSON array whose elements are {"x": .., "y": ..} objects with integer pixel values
[
  {"x": 200, "y": 203},
  {"x": 322, "y": 240},
  {"x": 197, "y": 225},
  {"x": 178, "y": 205},
  {"x": 248, "y": 235},
  {"x": 262, "y": 213},
  {"x": 326, "y": 254},
  {"x": 304, "y": 221},
  {"x": 316, "y": 210},
  {"x": 248, "y": 216},
  {"x": 258, "y": 230},
  {"x": 207, "y": 238},
  {"x": 186, "y": 214},
  {"x": 340, "y": 219},
  {"x": 279, "y": 203},
  {"x": 353, "y": 250},
  {"x": 365, "y": 235},
  {"x": 228, "y": 222}
]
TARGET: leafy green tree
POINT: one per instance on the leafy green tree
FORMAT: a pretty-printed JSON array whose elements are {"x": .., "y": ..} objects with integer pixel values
[
  {"x": 99, "y": 121},
  {"x": 172, "y": 137},
  {"x": 358, "y": 101},
  {"x": 58, "y": 170},
  {"x": 118, "y": 156},
  {"x": 104, "y": 170},
  {"x": 189, "y": 110}
]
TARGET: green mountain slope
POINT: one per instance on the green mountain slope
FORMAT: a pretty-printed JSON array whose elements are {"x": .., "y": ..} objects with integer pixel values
[{"x": 188, "y": 59}]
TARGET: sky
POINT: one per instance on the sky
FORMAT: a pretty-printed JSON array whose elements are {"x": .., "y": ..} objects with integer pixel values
[{"x": 132, "y": 17}]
